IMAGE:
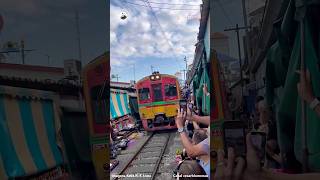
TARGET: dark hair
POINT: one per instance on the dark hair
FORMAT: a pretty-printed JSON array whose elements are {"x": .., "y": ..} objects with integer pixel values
[
  {"x": 259, "y": 98},
  {"x": 190, "y": 167},
  {"x": 199, "y": 135}
]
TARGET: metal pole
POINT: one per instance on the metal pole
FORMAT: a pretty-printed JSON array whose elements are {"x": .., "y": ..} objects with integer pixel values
[
  {"x": 78, "y": 36},
  {"x": 22, "y": 51},
  {"x": 244, "y": 11},
  {"x": 185, "y": 79},
  {"x": 240, "y": 61},
  {"x": 48, "y": 59},
  {"x": 186, "y": 71},
  {"x": 246, "y": 42},
  {"x": 134, "y": 72},
  {"x": 303, "y": 103},
  {"x": 185, "y": 60}
]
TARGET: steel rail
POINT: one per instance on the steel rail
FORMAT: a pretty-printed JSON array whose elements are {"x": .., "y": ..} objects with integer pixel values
[
  {"x": 135, "y": 155},
  {"x": 160, "y": 158}
]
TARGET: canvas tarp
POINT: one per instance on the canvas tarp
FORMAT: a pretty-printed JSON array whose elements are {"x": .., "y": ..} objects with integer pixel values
[
  {"x": 119, "y": 103},
  {"x": 200, "y": 80},
  {"x": 285, "y": 99},
  {"x": 29, "y": 125}
]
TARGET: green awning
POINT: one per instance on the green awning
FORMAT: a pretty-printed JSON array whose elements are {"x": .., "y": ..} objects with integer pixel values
[{"x": 282, "y": 82}]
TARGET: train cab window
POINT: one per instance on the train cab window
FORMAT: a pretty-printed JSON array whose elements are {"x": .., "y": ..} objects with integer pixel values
[
  {"x": 170, "y": 90},
  {"x": 99, "y": 104},
  {"x": 157, "y": 93},
  {"x": 144, "y": 94}
]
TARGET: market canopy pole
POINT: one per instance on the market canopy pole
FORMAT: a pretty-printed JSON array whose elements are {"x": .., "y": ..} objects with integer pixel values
[{"x": 303, "y": 103}]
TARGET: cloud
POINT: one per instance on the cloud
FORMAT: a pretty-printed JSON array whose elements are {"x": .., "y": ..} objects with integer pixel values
[
  {"x": 115, "y": 62},
  {"x": 140, "y": 36},
  {"x": 113, "y": 37}
]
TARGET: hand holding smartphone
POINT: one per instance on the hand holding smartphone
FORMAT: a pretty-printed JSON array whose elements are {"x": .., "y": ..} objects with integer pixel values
[
  {"x": 183, "y": 105},
  {"x": 235, "y": 137},
  {"x": 258, "y": 140}
]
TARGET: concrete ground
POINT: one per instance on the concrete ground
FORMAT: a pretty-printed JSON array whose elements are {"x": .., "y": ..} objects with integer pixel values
[
  {"x": 126, "y": 155},
  {"x": 168, "y": 162}
]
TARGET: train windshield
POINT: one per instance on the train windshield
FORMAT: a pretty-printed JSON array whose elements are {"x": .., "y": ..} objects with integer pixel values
[
  {"x": 157, "y": 93},
  {"x": 144, "y": 94},
  {"x": 170, "y": 90},
  {"x": 99, "y": 104}
]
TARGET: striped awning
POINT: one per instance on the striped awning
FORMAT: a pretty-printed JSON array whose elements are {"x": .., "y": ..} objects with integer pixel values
[
  {"x": 119, "y": 103},
  {"x": 29, "y": 124}
]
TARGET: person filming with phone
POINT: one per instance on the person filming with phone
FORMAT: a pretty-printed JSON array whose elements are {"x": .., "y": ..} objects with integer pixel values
[
  {"x": 236, "y": 168},
  {"x": 268, "y": 126},
  {"x": 193, "y": 150}
]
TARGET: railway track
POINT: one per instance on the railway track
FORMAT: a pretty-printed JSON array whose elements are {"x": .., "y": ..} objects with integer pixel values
[{"x": 145, "y": 163}]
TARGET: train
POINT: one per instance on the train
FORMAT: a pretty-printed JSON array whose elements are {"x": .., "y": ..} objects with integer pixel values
[
  {"x": 158, "y": 101},
  {"x": 96, "y": 76}
]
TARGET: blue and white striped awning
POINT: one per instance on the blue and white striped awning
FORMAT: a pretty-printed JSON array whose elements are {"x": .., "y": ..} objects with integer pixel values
[
  {"x": 29, "y": 123},
  {"x": 119, "y": 103}
]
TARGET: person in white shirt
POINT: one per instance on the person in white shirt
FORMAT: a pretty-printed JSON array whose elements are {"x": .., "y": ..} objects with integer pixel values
[{"x": 194, "y": 150}]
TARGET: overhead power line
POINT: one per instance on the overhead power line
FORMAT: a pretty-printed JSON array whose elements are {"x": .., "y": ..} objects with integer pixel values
[
  {"x": 125, "y": 6},
  {"x": 176, "y": 9},
  {"x": 172, "y": 4},
  {"x": 163, "y": 32}
]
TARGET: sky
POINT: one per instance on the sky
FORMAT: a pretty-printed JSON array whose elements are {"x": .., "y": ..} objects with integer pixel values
[
  {"x": 49, "y": 27},
  {"x": 137, "y": 43},
  {"x": 228, "y": 13}
]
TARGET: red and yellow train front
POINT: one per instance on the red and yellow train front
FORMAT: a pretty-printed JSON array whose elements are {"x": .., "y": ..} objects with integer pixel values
[{"x": 158, "y": 99}]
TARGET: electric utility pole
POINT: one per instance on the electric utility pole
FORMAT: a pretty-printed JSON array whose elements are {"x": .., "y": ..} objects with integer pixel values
[
  {"x": 134, "y": 73},
  {"x": 78, "y": 35},
  {"x": 237, "y": 28},
  {"x": 117, "y": 77},
  {"x": 22, "y": 50},
  {"x": 245, "y": 22},
  {"x": 185, "y": 60}
]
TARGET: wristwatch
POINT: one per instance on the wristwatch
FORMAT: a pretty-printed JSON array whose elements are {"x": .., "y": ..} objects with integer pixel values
[
  {"x": 314, "y": 103},
  {"x": 180, "y": 130}
]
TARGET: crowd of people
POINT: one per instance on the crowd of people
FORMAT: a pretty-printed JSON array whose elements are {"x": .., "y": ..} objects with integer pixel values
[
  {"x": 250, "y": 168},
  {"x": 195, "y": 140}
]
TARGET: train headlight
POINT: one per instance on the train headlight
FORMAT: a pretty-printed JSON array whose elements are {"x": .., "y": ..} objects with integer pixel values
[
  {"x": 152, "y": 77},
  {"x": 157, "y": 77}
]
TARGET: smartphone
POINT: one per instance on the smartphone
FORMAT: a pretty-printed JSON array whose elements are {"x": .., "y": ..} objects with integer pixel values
[
  {"x": 234, "y": 136},
  {"x": 190, "y": 106},
  {"x": 258, "y": 140},
  {"x": 183, "y": 105}
]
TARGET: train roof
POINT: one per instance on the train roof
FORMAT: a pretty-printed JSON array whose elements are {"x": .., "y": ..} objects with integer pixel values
[{"x": 147, "y": 77}]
